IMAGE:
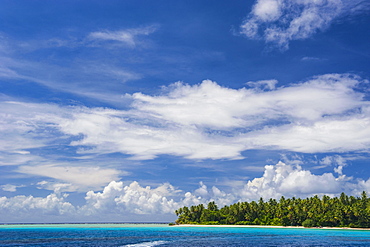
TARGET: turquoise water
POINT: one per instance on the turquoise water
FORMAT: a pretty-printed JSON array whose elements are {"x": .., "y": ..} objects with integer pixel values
[{"x": 136, "y": 235}]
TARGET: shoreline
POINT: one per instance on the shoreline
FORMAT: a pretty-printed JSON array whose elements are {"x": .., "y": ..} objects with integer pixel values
[
  {"x": 279, "y": 227},
  {"x": 118, "y": 225}
]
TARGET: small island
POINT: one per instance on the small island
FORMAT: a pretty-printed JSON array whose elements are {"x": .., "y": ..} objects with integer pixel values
[{"x": 342, "y": 211}]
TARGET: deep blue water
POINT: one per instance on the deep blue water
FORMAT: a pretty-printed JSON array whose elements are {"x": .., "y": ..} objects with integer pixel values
[{"x": 163, "y": 235}]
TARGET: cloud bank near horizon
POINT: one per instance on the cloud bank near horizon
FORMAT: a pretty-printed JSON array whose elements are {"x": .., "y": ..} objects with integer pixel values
[{"x": 132, "y": 202}]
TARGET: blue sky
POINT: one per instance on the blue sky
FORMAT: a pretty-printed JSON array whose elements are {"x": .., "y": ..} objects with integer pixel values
[{"x": 127, "y": 110}]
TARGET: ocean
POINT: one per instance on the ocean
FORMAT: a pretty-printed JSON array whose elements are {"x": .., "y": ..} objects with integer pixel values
[{"x": 139, "y": 235}]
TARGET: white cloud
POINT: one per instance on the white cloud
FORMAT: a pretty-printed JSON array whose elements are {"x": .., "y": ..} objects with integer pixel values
[
  {"x": 205, "y": 104},
  {"x": 25, "y": 125},
  {"x": 280, "y": 21},
  {"x": 9, "y": 187},
  {"x": 57, "y": 187},
  {"x": 329, "y": 135},
  {"x": 8, "y": 158},
  {"x": 137, "y": 134},
  {"x": 131, "y": 199},
  {"x": 105, "y": 72},
  {"x": 80, "y": 177},
  {"x": 323, "y": 114},
  {"x": 128, "y": 36},
  {"x": 211, "y": 105},
  {"x": 288, "y": 180},
  {"x": 91, "y": 79},
  {"x": 204, "y": 121},
  {"x": 6, "y": 72},
  {"x": 263, "y": 84},
  {"x": 336, "y": 160},
  {"x": 115, "y": 202},
  {"x": 135, "y": 199},
  {"x": 35, "y": 209},
  {"x": 267, "y": 10},
  {"x": 292, "y": 180},
  {"x": 205, "y": 195},
  {"x": 312, "y": 59}
]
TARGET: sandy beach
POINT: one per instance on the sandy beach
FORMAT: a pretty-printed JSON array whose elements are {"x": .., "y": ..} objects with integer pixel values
[{"x": 263, "y": 226}]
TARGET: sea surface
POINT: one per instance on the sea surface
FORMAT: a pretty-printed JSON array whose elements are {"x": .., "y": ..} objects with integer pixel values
[{"x": 137, "y": 235}]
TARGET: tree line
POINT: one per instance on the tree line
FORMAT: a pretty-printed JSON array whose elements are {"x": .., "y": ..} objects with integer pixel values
[{"x": 342, "y": 211}]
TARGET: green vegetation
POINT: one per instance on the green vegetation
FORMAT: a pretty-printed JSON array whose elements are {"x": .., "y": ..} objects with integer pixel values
[{"x": 343, "y": 211}]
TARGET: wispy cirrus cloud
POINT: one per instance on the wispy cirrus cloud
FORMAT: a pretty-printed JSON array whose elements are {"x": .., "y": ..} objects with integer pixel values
[
  {"x": 312, "y": 59},
  {"x": 97, "y": 77},
  {"x": 128, "y": 37},
  {"x": 87, "y": 79},
  {"x": 263, "y": 84},
  {"x": 278, "y": 22}
]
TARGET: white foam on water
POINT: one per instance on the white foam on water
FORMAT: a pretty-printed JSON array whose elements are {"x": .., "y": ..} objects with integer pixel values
[{"x": 146, "y": 244}]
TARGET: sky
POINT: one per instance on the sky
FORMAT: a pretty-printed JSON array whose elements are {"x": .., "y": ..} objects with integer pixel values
[{"x": 124, "y": 111}]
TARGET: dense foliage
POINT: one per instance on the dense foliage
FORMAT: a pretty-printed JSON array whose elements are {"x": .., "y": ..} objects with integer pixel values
[{"x": 343, "y": 211}]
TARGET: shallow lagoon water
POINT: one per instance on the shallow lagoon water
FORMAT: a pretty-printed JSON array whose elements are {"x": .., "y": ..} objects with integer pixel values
[{"x": 137, "y": 235}]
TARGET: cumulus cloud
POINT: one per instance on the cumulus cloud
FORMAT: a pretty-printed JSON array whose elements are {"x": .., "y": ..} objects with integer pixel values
[
  {"x": 130, "y": 202},
  {"x": 292, "y": 180},
  {"x": 31, "y": 209},
  {"x": 289, "y": 180},
  {"x": 116, "y": 201},
  {"x": 164, "y": 199},
  {"x": 204, "y": 195},
  {"x": 280, "y": 21},
  {"x": 132, "y": 199}
]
